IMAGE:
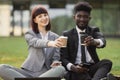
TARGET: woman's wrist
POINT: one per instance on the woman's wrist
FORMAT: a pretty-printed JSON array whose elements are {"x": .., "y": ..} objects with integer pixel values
[{"x": 51, "y": 44}]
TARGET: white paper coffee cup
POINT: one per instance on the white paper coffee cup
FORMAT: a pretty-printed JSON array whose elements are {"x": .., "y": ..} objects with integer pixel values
[{"x": 64, "y": 40}]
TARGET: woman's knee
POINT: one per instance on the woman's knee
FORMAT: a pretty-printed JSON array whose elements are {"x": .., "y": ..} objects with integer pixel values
[
  {"x": 60, "y": 68},
  {"x": 4, "y": 66}
]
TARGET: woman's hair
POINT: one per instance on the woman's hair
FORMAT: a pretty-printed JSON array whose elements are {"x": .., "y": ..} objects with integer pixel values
[
  {"x": 36, "y": 11},
  {"x": 82, "y": 6}
]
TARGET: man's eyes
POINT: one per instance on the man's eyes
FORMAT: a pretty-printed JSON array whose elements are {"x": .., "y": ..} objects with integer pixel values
[{"x": 83, "y": 16}]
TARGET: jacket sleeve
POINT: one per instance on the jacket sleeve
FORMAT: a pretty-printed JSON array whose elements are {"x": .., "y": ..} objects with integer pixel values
[
  {"x": 64, "y": 53},
  {"x": 98, "y": 35},
  {"x": 56, "y": 56},
  {"x": 34, "y": 41}
]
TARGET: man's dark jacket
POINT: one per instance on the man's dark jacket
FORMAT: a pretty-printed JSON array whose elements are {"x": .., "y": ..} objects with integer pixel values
[{"x": 68, "y": 54}]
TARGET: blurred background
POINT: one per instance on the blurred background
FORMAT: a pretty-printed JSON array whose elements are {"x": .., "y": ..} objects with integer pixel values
[
  {"x": 15, "y": 21},
  {"x": 15, "y": 15}
]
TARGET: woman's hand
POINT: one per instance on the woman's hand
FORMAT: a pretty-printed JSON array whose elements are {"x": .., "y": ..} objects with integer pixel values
[
  {"x": 56, "y": 63},
  {"x": 57, "y": 43}
]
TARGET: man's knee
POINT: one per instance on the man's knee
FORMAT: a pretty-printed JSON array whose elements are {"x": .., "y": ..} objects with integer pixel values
[{"x": 106, "y": 62}]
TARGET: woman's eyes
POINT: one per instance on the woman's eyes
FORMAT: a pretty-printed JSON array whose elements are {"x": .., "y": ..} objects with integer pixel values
[
  {"x": 42, "y": 15},
  {"x": 45, "y": 15}
]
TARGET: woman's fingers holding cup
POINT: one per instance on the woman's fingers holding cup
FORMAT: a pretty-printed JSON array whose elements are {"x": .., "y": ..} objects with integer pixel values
[
  {"x": 63, "y": 39},
  {"x": 59, "y": 43}
]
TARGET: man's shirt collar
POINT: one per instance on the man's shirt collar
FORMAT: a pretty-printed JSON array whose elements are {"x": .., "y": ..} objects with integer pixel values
[{"x": 79, "y": 30}]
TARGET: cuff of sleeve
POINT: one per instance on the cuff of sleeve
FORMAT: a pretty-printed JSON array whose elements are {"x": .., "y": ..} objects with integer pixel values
[
  {"x": 69, "y": 66},
  {"x": 101, "y": 42},
  {"x": 47, "y": 43}
]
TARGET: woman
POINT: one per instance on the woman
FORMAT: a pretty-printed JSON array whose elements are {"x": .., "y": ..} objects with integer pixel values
[{"x": 43, "y": 50}]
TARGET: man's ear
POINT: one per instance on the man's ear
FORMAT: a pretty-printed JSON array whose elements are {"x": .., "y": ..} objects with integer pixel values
[{"x": 89, "y": 17}]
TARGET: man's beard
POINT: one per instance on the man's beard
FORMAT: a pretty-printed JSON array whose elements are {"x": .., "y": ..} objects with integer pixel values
[{"x": 82, "y": 27}]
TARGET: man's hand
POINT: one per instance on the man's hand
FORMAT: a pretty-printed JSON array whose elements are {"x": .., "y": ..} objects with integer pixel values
[
  {"x": 91, "y": 41},
  {"x": 78, "y": 69}
]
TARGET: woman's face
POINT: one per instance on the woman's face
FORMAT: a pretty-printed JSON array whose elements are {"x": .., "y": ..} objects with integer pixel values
[{"x": 42, "y": 19}]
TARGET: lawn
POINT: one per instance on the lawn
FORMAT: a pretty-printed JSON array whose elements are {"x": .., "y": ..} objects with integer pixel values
[
  {"x": 13, "y": 51},
  {"x": 112, "y": 52}
]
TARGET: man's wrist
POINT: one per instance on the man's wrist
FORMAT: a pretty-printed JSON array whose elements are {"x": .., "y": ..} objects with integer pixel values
[
  {"x": 96, "y": 42},
  {"x": 69, "y": 66}
]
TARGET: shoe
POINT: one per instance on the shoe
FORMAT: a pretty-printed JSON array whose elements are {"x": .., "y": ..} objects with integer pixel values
[{"x": 111, "y": 77}]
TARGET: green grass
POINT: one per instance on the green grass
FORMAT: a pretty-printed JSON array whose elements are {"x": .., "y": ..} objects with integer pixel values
[
  {"x": 13, "y": 51},
  {"x": 112, "y": 52}
]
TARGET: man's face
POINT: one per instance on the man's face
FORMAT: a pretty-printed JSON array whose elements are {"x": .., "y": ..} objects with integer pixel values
[{"x": 82, "y": 19}]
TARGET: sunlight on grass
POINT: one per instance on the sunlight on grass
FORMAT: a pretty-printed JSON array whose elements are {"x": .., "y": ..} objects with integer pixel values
[
  {"x": 112, "y": 52},
  {"x": 13, "y": 51}
]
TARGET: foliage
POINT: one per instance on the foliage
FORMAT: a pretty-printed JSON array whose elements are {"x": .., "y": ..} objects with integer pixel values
[
  {"x": 62, "y": 23},
  {"x": 103, "y": 19}
]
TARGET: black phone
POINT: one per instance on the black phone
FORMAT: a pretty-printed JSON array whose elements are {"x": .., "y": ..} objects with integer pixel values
[{"x": 83, "y": 36}]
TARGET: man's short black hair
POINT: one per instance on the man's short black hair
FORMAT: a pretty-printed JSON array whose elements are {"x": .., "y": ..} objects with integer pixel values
[{"x": 82, "y": 6}]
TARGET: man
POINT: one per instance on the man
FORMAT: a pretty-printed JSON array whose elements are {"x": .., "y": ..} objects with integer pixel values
[{"x": 71, "y": 56}]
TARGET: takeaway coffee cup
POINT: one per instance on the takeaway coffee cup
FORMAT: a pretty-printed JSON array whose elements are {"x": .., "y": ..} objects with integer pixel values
[
  {"x": 83, "y": 36},
  {"x": 64, "y": 40}
]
